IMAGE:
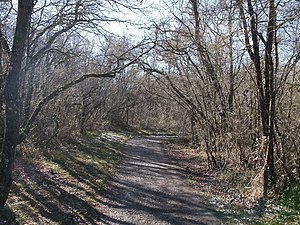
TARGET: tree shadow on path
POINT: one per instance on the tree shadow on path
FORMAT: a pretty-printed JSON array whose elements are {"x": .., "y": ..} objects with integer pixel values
[{"x": 150, "y": 189}]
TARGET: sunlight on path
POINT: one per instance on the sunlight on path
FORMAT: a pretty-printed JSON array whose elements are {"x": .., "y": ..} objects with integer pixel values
[{"x": 149, "y": 189}]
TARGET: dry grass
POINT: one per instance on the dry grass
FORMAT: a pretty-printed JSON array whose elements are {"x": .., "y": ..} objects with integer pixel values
[
  {"x": 63, "y": 185},
  {"x": 225, "y": 189}
]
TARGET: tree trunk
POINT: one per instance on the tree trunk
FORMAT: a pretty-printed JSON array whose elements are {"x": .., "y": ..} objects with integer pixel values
[
  {"x": 195, "y": 138},
  {"x": 11, "y": 98},
  {"x": 83, "y": 116},
  {"x": 4, "y": 55},
  {"x": 231, "y": 73},
  {"x": 264, "y": 82},
  {"x": 270, "y": 97}
]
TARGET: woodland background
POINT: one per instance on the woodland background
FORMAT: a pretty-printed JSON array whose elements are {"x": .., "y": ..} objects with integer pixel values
[{"x": 223, "y": 73}]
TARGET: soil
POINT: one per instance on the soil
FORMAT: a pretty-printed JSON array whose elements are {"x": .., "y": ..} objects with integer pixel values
[{"x": 151, "y": 189}]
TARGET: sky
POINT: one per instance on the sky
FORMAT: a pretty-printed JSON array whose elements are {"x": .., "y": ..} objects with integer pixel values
[{"x": 151, "y": 10}]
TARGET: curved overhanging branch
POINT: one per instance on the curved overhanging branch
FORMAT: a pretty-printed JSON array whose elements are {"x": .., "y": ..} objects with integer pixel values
[
  {"x": 24, "y": 131},
  {"x": 25, "y": 128}
]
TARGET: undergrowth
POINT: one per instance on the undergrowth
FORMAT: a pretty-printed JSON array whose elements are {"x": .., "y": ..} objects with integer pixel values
[
  {"x": 286, "y": 209},
  {"x": 229, "y": 188}
]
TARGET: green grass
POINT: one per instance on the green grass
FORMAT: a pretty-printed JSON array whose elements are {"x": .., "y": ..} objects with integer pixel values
[
  {"x": 63, "y": 185},
  {"x": 286, "y": 209}
]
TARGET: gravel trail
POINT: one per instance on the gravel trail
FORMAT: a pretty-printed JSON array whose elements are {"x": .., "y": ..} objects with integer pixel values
[{"x": 150, "y": 189}]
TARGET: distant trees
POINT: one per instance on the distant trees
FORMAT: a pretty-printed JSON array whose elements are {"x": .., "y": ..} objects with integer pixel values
[{"x": 226, "y": 64}]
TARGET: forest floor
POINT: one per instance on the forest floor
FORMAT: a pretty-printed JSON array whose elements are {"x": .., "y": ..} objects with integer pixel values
[{"x": 78, "y": 184}]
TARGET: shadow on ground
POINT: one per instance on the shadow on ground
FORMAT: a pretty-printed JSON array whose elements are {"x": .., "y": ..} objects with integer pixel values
[
  {"x": 67, "y": 186},
  {"x": 61, "y": 185},
  {"x": 150, "y": 189}
]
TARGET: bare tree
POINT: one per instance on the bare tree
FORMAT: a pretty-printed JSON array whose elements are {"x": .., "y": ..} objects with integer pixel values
[{"x": 11, "y": 99}]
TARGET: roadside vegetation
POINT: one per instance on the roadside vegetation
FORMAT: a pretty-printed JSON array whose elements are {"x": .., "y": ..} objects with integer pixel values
[
  {"x": 63, "y": 184},
  {"x": 285, "y": 209},
  {"x": 230, "y": 191}
]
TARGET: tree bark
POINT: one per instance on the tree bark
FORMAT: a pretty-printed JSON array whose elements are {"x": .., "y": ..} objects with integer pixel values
[
  {"x": 11, "y": 98},
  {"x": 270, "y": 97},
  {"x": 264, "y": 81}
]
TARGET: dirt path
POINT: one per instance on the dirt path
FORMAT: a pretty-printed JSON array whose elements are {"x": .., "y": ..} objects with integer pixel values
[{"x": 150, "y": 189}]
